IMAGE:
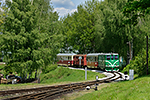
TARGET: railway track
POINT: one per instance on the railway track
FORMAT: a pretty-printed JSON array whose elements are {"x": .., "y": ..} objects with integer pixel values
[{"x": 50, "y": 92}]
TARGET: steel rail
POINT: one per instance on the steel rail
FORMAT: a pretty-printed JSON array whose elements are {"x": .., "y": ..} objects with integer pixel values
[{"x": 51, "y": 91}]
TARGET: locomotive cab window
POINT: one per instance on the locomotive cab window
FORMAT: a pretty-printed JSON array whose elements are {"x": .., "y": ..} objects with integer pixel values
[
  {"x": 108, "y": 57},
  {"x": 116, "y": 57},
  {"x": 111, "y": 57}
]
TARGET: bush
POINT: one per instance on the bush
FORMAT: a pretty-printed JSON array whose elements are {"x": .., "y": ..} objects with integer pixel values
[{"x": 138, "y": 64}]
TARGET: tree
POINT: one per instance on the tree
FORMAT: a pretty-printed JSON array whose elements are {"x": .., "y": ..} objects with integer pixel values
[
  {"x": 138, "y": 9},
  {"x": 110, "y": 28},
  {"x": 112, "y": 31},
  {"x": 80, "y": 28},
  {"x": 29, "y": 42},
  {"x": 3, "y": 11}
]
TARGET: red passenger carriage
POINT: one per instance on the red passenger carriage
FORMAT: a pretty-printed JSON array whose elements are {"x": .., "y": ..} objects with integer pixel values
[
  {"x": 65, "y": 59},
  {"x": 79, "y": 60}
]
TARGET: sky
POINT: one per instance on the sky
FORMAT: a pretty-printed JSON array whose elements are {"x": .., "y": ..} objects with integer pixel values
[{"x": 66, "y": 6}]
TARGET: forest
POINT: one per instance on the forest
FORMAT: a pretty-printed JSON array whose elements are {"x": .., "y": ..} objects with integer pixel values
[{"x": 34, "y": 33}]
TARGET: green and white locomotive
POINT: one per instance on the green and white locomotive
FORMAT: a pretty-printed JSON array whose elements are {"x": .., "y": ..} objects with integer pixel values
[{"x": 104, "y": 61}]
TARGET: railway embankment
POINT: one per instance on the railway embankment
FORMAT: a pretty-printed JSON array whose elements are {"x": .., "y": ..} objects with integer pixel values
[
  {"x": 51, "y": 91},
  {"x": 137, "y": 89},
  {"x": 68, "y": 75},
  {"x": 57, "y": 76}
]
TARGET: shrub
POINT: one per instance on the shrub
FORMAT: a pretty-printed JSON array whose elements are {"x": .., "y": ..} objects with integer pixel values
[{"x": 138, "y": 64}]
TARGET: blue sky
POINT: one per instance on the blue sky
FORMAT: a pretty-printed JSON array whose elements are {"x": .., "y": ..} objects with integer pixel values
[{"x": 66, "y": 6}]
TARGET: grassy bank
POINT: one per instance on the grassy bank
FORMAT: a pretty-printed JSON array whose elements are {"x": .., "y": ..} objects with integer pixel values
[
  {"x": 63, "y": 74},
  {"x": 137, "y": 89},
  {"x": 53, "y": 76}
]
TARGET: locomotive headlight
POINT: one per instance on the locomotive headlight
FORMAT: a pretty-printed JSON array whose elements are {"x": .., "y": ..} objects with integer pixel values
[{"x": 95, "y": 63}]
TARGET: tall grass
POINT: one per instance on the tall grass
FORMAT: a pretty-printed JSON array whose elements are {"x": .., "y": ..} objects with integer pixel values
[{"x": 138, "y": 89}]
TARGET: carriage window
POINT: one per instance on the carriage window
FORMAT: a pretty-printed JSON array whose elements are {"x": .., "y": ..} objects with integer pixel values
[
  {"x": 116, "y": 57},
  {"x": 65, "y": 58},
  {"x": 108, "y": 57},
  {"x": 90, "y": 58},
  {"x": 111, "y": 57},
  {"x": 95, "y": 58},
  {"x": 69, "y": 58}
]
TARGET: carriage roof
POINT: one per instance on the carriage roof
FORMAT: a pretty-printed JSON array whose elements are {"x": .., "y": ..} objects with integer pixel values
[
  {"x": 110, "y": 53},
  {"x": 80, "y": 55},
  {"x": 96, "y": 54},
  {"x": 66, "y": 54}
]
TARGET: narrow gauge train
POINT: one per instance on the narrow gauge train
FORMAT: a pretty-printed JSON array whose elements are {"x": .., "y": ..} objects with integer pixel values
[
  {"x": 104, "y": 61},
  {"x": 65, "y": 59},
  {"x": 79, "y": 60}
]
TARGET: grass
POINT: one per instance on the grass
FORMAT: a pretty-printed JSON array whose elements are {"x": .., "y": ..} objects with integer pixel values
[
  {"x": 137, "y": 89},
  {"x": 59, "y": 75},
  {"x": 66, "y": 75}
]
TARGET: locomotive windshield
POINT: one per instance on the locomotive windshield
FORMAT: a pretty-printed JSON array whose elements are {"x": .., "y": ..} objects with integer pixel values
[
  {"x": 108, "y": 57},
  {"x": 116, "y": 57},
  {"x": 111, "y": 57}
]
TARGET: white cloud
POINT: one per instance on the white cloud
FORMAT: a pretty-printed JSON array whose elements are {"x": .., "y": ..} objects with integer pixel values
[
  {"x": 2, "y": 0},
  {"x": 68, "y": 4},
  {"x": 63, "y": 11}
]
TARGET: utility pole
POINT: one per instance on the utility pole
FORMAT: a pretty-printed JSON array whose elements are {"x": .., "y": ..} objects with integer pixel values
[{"x": 147, "y": 53}]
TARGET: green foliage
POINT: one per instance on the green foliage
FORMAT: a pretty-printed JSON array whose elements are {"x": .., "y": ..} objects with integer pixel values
[
  {"x": 137, "y": 89},
  {"x": 49, "y": 68},
  {"x": 2, "y": 67},
  {"x": 32, "y": 34},
  {"x": 80, "y": 29},
  {"x": 3, "y": 13},
  {"x": 138, "y": 64},
  {"x": 56, "y": 73},
  {"x": 97, "y": 23},
  {"x": 6, "y": 70},
  {"x": 62, "y": 74}
]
